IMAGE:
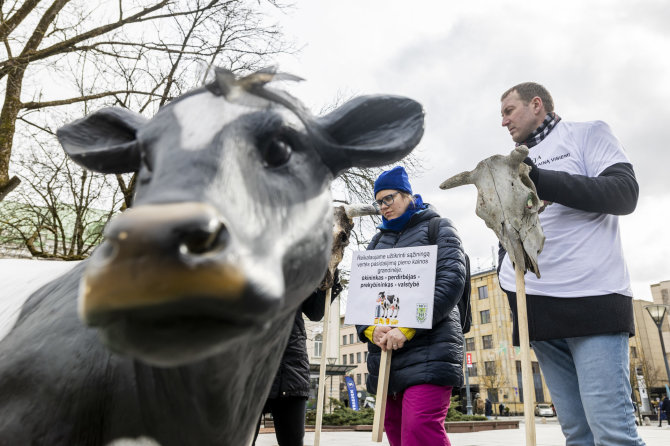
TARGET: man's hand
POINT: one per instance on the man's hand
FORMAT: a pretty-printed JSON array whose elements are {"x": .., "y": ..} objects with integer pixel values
[{"x": 534, "y": 173}]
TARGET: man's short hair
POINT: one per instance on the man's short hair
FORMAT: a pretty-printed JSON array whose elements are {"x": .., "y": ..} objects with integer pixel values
[{"x": 528, "y": 90}]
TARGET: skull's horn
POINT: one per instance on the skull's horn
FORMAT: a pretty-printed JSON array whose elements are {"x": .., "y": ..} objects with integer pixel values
[
  {"x": 457, "y": 180},
  {"x": 359, "y": 210}
]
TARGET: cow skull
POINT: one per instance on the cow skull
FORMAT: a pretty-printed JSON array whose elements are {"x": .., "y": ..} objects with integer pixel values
[
  {"x": 508, "y": 203},
  {"x": 343, "y": 223}
]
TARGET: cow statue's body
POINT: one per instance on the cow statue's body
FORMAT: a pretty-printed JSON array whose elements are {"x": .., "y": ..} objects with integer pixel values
[{"x": 188, "y": 303}]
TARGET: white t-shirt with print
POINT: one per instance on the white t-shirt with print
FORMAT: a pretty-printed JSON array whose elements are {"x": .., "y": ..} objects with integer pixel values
[{"x": 582, "y": 254}]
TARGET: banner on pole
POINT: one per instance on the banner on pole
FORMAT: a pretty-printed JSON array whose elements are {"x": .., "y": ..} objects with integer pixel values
[
  {"x": 468, "y": 359},
  {"x": 351, "y": 391},
  {"x": 393, "y": 287}
]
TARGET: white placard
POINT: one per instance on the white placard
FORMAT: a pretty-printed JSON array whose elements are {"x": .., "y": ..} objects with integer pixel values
[{"x": 393, "y": 287}]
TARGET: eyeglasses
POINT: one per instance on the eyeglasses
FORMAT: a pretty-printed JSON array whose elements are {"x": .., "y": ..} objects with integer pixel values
[{"x": 387, "y": 200}]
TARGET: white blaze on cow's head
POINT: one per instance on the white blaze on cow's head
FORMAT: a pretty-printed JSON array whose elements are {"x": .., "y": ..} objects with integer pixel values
[{"x": 232, "y": 219}]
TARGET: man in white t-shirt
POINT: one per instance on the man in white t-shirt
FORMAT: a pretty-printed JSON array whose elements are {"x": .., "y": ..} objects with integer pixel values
[{"x": 580, "y": 312}]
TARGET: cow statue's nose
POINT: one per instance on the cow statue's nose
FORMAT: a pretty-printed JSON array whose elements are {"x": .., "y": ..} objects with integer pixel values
[
  {"x": 166, "y": 229},
  {"x": 159, "y": 254}
]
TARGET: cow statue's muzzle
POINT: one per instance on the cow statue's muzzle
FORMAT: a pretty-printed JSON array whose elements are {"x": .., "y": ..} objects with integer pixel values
[{"x": 165, "y": 273}]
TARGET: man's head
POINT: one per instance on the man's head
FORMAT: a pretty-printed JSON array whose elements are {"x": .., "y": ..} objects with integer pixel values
[{"x": 523, "y": 108}]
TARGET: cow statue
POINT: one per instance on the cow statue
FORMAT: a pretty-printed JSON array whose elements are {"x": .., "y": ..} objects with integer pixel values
[
  {"x": 187, "y": 305},
  {"x": 508, "y": 203}
]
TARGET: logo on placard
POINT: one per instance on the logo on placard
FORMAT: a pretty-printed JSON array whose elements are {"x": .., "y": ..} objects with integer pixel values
[{"x": 421, "y": 313}]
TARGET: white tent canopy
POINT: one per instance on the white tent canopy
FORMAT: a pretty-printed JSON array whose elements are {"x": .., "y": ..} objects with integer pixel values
[{"x": 20, "y": 278}]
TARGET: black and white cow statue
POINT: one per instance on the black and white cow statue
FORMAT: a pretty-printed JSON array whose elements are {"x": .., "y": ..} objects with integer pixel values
[
  {"x": 391, "y": 306},
  {"x": 187, "y": 305}
]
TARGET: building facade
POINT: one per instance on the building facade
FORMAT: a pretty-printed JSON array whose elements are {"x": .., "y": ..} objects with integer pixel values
[{"x": 649, "y": 376}]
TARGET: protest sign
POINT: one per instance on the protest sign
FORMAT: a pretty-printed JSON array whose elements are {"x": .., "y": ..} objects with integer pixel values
[{"x": 393, "y": 287}]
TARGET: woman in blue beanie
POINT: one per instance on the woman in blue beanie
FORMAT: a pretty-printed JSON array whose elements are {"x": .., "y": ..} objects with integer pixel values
[{"x": 426, "y": 364}]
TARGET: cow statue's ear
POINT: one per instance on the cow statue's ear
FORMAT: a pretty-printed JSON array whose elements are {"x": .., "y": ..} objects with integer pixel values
[
  {"x": 104, "y": 141},
  {"x": 371, "y": 131}
]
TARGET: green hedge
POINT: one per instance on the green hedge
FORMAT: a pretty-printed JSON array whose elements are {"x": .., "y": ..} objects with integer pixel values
[{"x": 344, "y": 416}]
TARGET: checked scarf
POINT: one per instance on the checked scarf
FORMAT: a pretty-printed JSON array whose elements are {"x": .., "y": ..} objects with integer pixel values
[{"x": 542, "y": 131}]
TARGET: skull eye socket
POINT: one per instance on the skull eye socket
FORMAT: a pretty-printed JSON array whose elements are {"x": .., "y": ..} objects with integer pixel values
[{"x": 277, "y": 151}]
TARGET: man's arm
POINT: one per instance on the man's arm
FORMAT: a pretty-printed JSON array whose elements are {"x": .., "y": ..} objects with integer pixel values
[{"x": 615, "y": 191}]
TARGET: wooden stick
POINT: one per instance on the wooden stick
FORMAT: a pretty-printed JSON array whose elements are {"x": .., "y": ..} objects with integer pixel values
[
  {"x": 382, "y": 391},
  {"x": 322, "y": 371},
  {"x": 526, "y": 370}
]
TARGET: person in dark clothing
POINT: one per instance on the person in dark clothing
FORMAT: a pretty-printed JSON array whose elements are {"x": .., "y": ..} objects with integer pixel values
[
  {"x": 288, "y": 396},
  {"x": 580, "y": 311},
  {"x": 664, "y": 407},
  {"x": 488, "y": 408},
  {"x": 427, "y": 363}
]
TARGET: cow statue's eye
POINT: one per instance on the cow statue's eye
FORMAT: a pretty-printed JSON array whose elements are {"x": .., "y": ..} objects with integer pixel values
[{"x": 277, "y": 151}]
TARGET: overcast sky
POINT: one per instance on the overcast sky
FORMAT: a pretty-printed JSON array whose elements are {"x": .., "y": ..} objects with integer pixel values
[{"x": 605, "y": 60}]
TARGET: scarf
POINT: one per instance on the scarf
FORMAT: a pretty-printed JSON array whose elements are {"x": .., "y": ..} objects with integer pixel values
[
  {"x": 398, "y": 224},
  {"x": 542, "y": 131}
]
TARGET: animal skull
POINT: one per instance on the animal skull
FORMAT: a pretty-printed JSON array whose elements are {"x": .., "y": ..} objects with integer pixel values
[
  {"x": 508, "y": 203},
  {"x": 342, "y": 225}
]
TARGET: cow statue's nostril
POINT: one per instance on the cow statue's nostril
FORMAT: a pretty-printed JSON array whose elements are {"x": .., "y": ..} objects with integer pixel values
[{"x": 201, "y": 240}]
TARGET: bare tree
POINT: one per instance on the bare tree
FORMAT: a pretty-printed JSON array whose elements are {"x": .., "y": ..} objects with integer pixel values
[
  {"x": 653, "y": 376},
  {"x": 493, "y": 377},
  {"x": 61, "y": 209},
  {"x": 134, "y": 53}
]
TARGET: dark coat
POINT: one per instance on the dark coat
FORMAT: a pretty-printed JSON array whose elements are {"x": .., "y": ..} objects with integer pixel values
[
  {"x": 433, "y": 356},
  {"x": 292, "y": 378}
]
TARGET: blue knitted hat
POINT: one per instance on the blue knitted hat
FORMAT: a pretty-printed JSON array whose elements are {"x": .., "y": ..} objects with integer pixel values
[{"x": 395, "y": 179}]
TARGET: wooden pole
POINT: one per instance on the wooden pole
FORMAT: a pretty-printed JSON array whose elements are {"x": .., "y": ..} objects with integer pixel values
[
  {"x": 322, "y": 371},
  {"x": 382, "y": 391},
  {"x": 526, "y": 370}
]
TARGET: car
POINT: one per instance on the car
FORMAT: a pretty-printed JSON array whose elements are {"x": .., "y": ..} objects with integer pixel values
[{"x": 544, "y": 410}]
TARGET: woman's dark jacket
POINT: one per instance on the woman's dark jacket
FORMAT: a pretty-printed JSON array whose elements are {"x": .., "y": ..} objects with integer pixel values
[
  {"x": 432, "y": 356},
  {"x": 292, "y": 378}
]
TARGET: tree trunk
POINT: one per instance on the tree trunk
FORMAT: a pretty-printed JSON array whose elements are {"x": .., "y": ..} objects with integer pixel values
[{"x": 8, "y": 115}]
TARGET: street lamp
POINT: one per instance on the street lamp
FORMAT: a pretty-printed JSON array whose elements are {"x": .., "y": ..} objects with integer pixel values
[
  {"x": 657, "y": 313},
  {"x": 331, "y": 361}
]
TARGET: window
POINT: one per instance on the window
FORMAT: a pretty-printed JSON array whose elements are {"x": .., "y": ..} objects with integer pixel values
[
  {"x": 469, "y": 344},
  {"x": 489, "y": 368},
  {"x": 483, "y": 292},
  {"x": 351, "y": 358},
  {"x": 493, "y": 396},
  {"x": 344, "y": 359},
  {"x": 366, "y": 356},
  {"x": 537, "y": 382},
  {"x": 664, "y": 297},
  {"x": 344, "y": 340},
  {"x": 633, "y": 352},
  {"x": 365, "y": 377},
  {"x": 473, "y": 370},
  {"x": 351, "y": 338},
  {"x": 318, "y": 343},
  {"x": 487, "y": 341},
  {"x": 358, "y": 357},
  {"x": 485, "y": 316},
  {"x": 358, "y": 379}
]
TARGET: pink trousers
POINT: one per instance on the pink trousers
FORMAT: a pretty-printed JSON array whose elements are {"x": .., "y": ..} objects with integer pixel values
[{"x": 416, "y": 416}]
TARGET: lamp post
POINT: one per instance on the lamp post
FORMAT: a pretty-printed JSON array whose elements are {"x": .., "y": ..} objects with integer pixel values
[
  {"x": 331, "y": 361},
  {"x": 657, "y": 313}
]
